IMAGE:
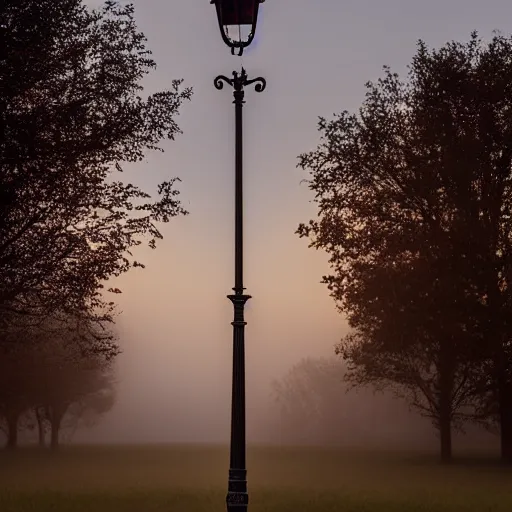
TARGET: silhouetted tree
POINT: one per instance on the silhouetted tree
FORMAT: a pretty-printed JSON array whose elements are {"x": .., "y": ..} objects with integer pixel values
[
  {"x": 54, "y": 370},
  {"x": 77, "y": 393},
  {"x": 15, "y": 392},
  {"x": 414, "y": 197},
  {"x": 72, "y": 376},
  {"x": 72, "y": 112}
]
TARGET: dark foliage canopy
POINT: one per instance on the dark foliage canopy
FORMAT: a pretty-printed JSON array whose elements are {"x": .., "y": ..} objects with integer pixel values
[
  {"x": 414, "y": 197},
  {"x": 72, "y": 112}
]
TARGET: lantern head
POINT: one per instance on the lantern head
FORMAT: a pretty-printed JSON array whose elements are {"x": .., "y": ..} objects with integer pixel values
[{"x": 237, "y": 22}]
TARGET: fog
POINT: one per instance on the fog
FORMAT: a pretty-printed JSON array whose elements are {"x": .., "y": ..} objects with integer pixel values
[{"x": 174, "y": 374}]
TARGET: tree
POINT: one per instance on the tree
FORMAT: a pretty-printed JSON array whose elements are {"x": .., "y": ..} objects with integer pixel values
[
  {"x": 53, "y": 371},
  {"x": 72, "y": 376},
  {"x": 414, "y": 203},
  {"x": 401, "y": 343},
  {"x": 88, "y": 410},
  {"x": 78, "y": 394},
  {"x": 72, "y": 113},
  {"x": 318, "y": 406},
  {"x": 17, "y": 366},
  {"x": 304, "y": 395}
]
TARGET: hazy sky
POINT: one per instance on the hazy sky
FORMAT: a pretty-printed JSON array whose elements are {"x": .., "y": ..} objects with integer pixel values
[{"x": 175, "y": 373}]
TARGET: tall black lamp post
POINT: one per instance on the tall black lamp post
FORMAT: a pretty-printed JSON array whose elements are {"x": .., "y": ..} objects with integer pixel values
[{"x": 232, "y": 16}]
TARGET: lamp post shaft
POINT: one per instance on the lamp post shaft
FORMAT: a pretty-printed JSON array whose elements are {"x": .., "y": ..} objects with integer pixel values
[
  {"x": 239, "y": 193},
  {"x": 237, "y": 498}
]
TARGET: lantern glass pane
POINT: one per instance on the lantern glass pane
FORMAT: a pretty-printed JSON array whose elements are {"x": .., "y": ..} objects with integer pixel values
[{"x": 238, "y": 32}]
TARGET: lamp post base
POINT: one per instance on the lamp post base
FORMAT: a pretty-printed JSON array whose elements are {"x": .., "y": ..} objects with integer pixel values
[{"x": 237, "y": 499}]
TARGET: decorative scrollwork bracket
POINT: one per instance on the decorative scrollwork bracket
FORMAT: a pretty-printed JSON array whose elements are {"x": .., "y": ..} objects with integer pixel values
[{"x": 239, "y": 81}]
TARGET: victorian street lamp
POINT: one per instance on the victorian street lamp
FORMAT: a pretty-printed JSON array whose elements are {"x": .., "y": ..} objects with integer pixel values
[
  {"x": 229, "y": 13},
  {"x": 235, "y": 16}
]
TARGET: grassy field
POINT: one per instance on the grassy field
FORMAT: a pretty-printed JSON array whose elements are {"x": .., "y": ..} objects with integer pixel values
[{"x": 193, "y": 479}]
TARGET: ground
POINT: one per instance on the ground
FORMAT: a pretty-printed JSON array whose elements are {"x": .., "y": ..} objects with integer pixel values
[{"x": 193, "y": 479}]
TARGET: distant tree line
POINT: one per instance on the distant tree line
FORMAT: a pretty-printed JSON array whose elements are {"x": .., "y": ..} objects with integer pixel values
[
  {"x": 317, "y": 406},
  {"x": 72, "y": 112},
  {"x": 54, "y": 377},
  {"x": 414, "y": 196}
]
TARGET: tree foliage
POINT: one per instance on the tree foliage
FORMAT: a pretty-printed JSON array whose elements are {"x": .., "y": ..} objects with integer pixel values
[
  {"x": 72, "y": 112},
  {"x": 414, "y": 197}
]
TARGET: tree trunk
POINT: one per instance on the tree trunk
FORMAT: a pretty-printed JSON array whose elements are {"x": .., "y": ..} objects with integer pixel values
[
  {"x": 505, "y": 412},
  {"x": 40, "y": 428},
  {"x": 56, "y": 415},
  {"x": 55, "y": 435},
  {"x": 12, "y": 430},
  {"x": 446, "y": 368},
  {"x": 445, "y": 434}
]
